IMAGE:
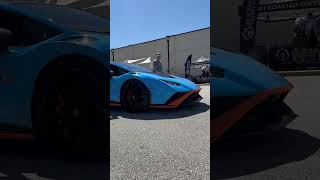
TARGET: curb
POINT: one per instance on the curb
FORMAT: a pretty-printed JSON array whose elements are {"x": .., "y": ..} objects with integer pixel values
[
  {"x": 300, "y": 73},
  {"x": 203, "y": 84}
]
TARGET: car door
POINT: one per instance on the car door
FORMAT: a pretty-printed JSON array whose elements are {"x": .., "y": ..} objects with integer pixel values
[
  {"x": 10, "y": 89},
  {"x": 116, "y": 82},
  {"x": 16, "y": 81}
]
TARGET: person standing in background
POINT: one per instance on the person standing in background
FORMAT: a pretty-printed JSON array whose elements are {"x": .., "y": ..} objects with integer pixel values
[
  {"x": 187, "y": 67},
  {"x": 157, "y": 65},
  {"x": 310, "y": 30}
]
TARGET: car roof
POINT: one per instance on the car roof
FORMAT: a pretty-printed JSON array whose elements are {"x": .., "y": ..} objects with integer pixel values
[
  {"x": 12, "y": 4},
  {"x": 122, "y": 64},
  {"x": 6, "y": 2},
  {"x": 116, "y": 63}
]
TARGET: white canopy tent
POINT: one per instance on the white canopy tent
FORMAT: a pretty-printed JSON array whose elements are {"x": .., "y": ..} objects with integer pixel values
[{"x": 145, "y": 62}]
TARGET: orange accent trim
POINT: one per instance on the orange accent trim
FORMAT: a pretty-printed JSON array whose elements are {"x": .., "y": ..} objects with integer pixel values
[
  {"x": 220, "y": 124},
  {"x": 16, "y": 136},
  {"x": 115, "y": 105},
  {"x": 173, "y": 104},
  {"x": 162, "y": 107},
  {"x": 177, "y": 102}
]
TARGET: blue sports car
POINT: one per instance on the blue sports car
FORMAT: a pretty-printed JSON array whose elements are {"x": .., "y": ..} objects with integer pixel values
[
  {"x": 136, "y": 88},
  {"x": 54, "y": 71},
  {"x": 246, "y": 96}
]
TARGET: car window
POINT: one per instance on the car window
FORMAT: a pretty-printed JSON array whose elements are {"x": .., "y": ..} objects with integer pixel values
[
  {"x": 73, "y": 18},
  {"x": 25, "y": 31},
  {"x": 118, "y": 71}
]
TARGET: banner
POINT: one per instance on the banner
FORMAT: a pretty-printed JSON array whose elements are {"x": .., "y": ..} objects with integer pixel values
[
  {"x": 248, "y": 19},
  {"x": 289, "y": 58},
  {"x": 289, "y": 5}
]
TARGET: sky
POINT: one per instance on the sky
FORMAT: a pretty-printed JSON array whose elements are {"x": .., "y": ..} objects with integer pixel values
[{"x": 137, "y": 21}]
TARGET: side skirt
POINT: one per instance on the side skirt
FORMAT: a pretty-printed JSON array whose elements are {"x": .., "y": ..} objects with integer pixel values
[{"x": 9, "y": 132}]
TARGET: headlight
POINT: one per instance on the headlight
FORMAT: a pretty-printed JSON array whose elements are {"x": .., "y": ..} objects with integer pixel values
[{"x": 170, "y": 82}]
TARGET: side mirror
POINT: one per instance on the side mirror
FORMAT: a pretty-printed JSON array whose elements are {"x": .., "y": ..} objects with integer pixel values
[
  {"x": 111, "y": 73},
  {"x": 5, "y": 39}
]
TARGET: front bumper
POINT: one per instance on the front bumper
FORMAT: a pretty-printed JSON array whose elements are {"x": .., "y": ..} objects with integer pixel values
[
  {"x": 264, "y": 118},
  {"x": 227, "y": 119},
  {"x": 180, "y": 99}
]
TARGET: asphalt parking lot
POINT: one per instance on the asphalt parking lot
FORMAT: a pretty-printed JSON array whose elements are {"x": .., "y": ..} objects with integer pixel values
[
  {"x": 162, "y": 144},
  {"x": 25, "y": 160},
  {"x": 292, "y": 154}
]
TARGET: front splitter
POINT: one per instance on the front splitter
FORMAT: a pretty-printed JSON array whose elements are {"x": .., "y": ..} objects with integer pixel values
[{"x": 219, "y": 125}]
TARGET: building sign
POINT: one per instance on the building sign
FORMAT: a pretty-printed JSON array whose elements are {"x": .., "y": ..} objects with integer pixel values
[
  {"x": 289, "y": 5},
  {"x": 294, "y": 58}
]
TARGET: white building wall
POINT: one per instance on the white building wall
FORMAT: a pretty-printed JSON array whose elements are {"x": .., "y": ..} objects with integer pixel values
[
  {"x": 143, "y": 50},
  {"x": 181, "y": 46},
  {"x": 196, "y": 43}
]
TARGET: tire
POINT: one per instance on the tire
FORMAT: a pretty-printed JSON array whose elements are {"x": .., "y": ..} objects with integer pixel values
[
  {"x": 134, "y": 96},
  {"x": 69, "y": 115}
]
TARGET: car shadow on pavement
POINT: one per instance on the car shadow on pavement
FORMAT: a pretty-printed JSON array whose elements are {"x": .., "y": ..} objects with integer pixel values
[
  {"x": 161, "y": 114},
  {"x": 250, "y": 155},
  {"x": 27, "y": 160}
]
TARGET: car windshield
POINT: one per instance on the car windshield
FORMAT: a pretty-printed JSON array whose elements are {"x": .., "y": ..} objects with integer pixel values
[
  {"x": 132, "y": 67},
  {"x": 73, "y": 18}
]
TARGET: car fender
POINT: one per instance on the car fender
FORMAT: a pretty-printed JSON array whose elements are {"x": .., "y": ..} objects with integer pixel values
[{"x": 34, "y": 59}]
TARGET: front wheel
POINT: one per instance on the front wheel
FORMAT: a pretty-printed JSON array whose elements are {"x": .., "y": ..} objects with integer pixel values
[
  {"x": 134, "y": 96},
  {"x": 69, "y": 111}
]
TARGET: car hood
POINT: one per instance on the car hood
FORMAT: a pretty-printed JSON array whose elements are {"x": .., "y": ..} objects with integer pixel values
[
  {"x": 246, "y": 71},
  {"x": 185, "y": 83}
]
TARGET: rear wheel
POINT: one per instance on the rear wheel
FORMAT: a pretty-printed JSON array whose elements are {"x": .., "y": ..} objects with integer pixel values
[
  {"x": 69, "y": 114},
  {"x": 134, "y": 96}
]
